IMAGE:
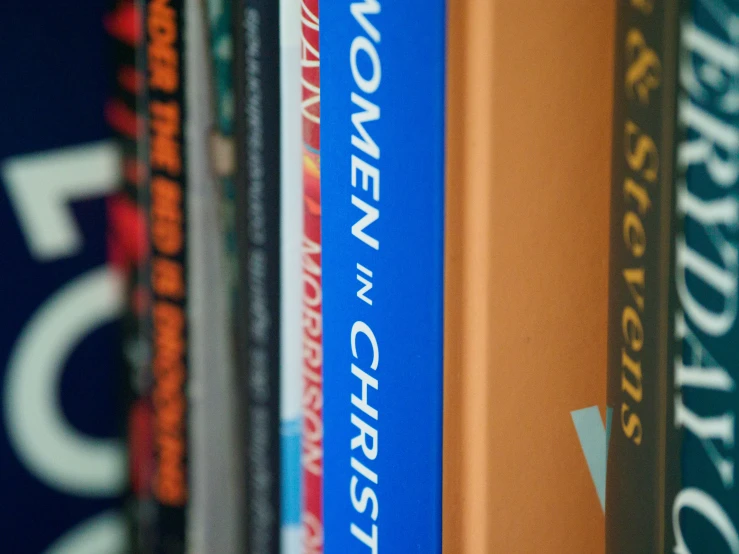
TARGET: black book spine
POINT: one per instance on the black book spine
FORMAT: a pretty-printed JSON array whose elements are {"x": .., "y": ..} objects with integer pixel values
[
  {"x": 129, "y": 252},
  {"x": 257, "y": 192},
  {"x": 640, "y": 326},
  {"x": 166, "y": 190}
]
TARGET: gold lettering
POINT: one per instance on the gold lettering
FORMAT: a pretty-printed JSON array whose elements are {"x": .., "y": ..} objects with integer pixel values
[
  {"x": 633, "y": 277},
  {"x": 641, "y": 152},
  {"x": 644, "y": 6},
  {"x": 634, "y": 235},
  {"x": 637, "y": 192},
  {"x": 644, "y": 70},
  {"x": 632, "y": 427},
  {"x": 632, "y": 328},
  {"x": 633, "y": 368}
]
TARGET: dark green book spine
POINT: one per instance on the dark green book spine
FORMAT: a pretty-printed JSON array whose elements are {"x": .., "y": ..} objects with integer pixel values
[
  {"x": 703, "y": 509},
  {"x": 640, "y": 326}
]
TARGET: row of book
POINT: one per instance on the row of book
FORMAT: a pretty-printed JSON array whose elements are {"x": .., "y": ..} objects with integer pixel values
[{"x": 293, "y": 277}]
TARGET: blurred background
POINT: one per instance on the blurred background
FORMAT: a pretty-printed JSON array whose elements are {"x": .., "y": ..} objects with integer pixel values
[{"x": 62, "y": 460}]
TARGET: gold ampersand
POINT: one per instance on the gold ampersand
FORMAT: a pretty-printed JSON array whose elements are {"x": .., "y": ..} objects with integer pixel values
[{"x": 644, "y": 70}]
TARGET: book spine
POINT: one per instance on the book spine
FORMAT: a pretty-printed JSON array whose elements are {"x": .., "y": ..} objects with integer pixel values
[
  {"x": 382, "y": 203},
  {"x": 639, "y": 322},
  {"x": 63, "y": 463},
  {"x": 291, "y": 233},
  {"x": 703, "y": 512},
  {"x": 257, "y": 70},
  {"x": 129, "y": 245},
  {"x": 221, "y": 60},
  {"x": 312, "y": 429},
  {"x": 166, "y": 191}
]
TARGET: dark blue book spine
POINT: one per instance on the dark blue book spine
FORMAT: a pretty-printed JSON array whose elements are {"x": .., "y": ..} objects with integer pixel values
[
  {"x": 382, "y": 204},
  {"x": 62, "y": 463}
]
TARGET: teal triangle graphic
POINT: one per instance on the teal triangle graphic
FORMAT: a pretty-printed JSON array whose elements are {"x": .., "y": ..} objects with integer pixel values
[{"x": 594, "y": 438}]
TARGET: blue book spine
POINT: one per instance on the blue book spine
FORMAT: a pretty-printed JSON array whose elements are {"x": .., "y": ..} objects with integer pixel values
[
  {"x": 382, "y": 204},
  {"x": 704, "y": 508}
]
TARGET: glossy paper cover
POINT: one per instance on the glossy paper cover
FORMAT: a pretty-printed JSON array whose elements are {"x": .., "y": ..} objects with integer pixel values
[{"x": 382, "y": 204}]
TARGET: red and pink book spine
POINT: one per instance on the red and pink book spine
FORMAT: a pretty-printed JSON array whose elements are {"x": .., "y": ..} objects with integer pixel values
[{"x": 312, "y": 437}]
